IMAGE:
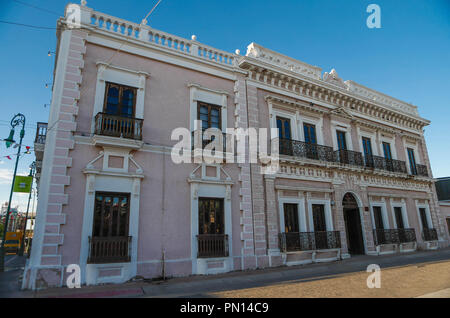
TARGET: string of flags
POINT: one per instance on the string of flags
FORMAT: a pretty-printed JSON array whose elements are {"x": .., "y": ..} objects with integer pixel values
[
  {"x": 13, "y": 143},
  {"x": 9, "y": 157}
]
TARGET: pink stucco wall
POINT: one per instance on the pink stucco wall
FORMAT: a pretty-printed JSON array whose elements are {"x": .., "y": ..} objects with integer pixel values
[{"x": 164, "y": 219}]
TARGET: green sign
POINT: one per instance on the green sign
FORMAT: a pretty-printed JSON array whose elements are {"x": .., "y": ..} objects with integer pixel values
[{"x": 23, "y": 184}]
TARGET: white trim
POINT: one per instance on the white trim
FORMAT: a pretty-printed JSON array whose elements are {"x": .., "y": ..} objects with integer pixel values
[
  {"x": 401, "y": 205},
  {"x": 317, "y": 122},
  {"x": 373, "y": 141},
  {"x": 415, "y": 148},
  {"x": 300, "y": 210},
  {"x": 425, "y": 206},
  {"x": 199, "y": 93},
  {"x": 154, "y": 52},
  {"x": 335, "y": 126},
  {"x": 47, "y": 163},
  {"x": 104, "y": 183},
  {"x": 391, "y": 142},
  {"x": 361, "y": 218},
  {"x": 382, "y": 205},
  {"x": 285, "y": 114},
  {"x": 207, "y": 190},
  {"x": 286, "y": 92},
  {"x": 121, "y": 76},
  {"x": 328, "y": 215}
]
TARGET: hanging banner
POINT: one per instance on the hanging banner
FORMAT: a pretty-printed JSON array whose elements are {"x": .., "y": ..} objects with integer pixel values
[{"x": 23, "y": 184}]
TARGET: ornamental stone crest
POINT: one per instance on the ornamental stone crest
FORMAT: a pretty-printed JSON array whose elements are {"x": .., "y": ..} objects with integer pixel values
[{"x": 333, "y": 78}]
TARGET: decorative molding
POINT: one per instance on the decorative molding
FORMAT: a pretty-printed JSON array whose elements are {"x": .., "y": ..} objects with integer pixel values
[{"x": 263, "y": 54}]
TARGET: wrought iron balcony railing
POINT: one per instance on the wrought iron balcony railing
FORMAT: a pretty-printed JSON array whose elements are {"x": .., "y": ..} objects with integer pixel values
[
  {"x": 104, "y": 250},
  {"x": 302, "y": 149},
  {"x": 349, "y": 157},
  {"x": 309, "y": 241},
  {"x": 118, "y": 126},
  {"x": 429, "y": 235},
  {"x": 394, "y": 236},
  {"x": 41, "y": 133},
  {"x": 212, "y": 245},
  {"x": 419, "y": 170},
  {"x": 377, "y": 162}
]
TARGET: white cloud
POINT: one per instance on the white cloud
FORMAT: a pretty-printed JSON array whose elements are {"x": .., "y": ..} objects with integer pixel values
[{"x": 7, "y": 174}]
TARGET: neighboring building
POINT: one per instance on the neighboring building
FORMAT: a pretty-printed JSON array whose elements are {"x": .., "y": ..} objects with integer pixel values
[
  {"x": 4, "y": 208},
  {"x": 39, "y": 143},
  {"x": 354, "y": 172},
  {"x": 443, "y": 194}
]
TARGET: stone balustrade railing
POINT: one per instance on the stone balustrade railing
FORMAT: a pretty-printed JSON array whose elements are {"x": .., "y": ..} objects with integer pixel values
[{"x": 162, "y": 39}]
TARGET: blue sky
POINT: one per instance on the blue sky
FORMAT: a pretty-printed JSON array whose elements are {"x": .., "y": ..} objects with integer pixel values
[{"x": 408, "y": 58}]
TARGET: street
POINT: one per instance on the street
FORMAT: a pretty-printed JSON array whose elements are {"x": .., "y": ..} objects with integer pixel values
[{"x": 420, "y": 274}]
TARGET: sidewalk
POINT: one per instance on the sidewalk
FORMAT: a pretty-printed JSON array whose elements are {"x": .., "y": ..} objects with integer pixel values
[
  {"x": 9, "y": 279},
  {"x": 204, "y": 286}
]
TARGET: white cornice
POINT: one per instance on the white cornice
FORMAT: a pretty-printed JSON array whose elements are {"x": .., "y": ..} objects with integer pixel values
[
  {"x": 108, "y": 65},
  {"x": 249, "y": 62}
]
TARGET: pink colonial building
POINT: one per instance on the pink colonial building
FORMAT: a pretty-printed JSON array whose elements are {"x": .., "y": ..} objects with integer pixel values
[{"x": 353, "y": 178}]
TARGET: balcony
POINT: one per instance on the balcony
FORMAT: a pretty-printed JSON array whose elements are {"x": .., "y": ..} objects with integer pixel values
[
  {"x": 117, "y": 126},
  {"x": 309, "y": 241},
  {"x": 41, "y": 133},
  {"x": 105, "y": 250},
  {"x": 349, "y": 157},
  {"x": 429, "y": 235},
  {"x": 212, "y": 245},
  {"x": 392, "y": 165},
  {"x": 394, "y": 236},
  {"x": 302, "y": 149},
  {"x": 419, "y": 170}
]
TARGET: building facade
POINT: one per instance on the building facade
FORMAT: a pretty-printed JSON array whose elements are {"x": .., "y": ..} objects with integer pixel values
[
  {"x": 443, "y": 194},
  {"x": 353, "y": 178}
]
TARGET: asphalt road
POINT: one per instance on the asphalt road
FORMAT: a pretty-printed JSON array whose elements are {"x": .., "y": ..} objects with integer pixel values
[
  {"x": 9, "y": 279},
  {"x": 218, "y": 286},
  {"x": 321, "y": 278}
]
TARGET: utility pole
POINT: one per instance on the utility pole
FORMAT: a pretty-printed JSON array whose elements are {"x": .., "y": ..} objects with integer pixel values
[
  {"x": 22, "y": 245},
  {"x": 16, "y": 121}
]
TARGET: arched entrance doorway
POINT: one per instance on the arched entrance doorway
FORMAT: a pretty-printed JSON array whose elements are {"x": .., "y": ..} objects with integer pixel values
[{"x": 353, "y": 226}]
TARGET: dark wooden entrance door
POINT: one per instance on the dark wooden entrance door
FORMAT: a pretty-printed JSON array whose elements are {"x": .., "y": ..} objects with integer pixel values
[{"x": 353, "y": 225}]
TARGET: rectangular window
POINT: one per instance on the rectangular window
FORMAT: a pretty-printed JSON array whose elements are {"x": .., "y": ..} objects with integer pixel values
[
  {"x": 284, "y": 128},
  {"x": 399, "y": 217},
  {"x": 310, "y": 133},
  {"x": 210, "y": 115},
  {"x": 378, "y": 217},
  {"x": 423, "y": 218},
  {"x": 367, "y": 146},
  {"x": 318, "y": 211},
  {"x": 291, "y": 224},
  {"x": 387, "y": 150},
  {"x": 111, "y": 215},
  {"x": 342, "y": 143},
  {"x": 412, "y": 161},
  {"x": 120, "y": 100},
  {"x": 210, "y": 216}
]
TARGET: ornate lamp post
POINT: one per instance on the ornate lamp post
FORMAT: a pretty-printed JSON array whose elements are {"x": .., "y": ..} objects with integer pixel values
[
  {"x": 22, "y": 245},
  {"x": 17, "y": 120}
]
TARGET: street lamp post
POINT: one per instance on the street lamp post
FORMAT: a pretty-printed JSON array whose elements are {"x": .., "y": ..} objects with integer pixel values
[
  {"x": 16, "y": 121},
  {"x": 22, "y": 245}
]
